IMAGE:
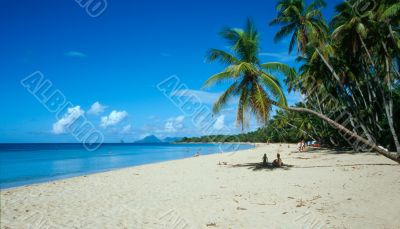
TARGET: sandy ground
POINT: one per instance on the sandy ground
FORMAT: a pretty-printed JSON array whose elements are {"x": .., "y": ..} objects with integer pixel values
[{"x": 322, "y": 189}]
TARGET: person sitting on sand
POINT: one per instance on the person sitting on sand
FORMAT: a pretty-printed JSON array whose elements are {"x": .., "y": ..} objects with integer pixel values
[
  {"x": 265, "y": 159},
  {"x": 277, "y": 162}
]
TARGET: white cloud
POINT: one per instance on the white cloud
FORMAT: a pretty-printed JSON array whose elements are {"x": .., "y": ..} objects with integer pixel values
[
  {"x": 72, "y": 114},
  {"x": 280, "y": 56},
  {"x": 75, "y": 54},
  {"x": 126, "y": 129},
  {"x": 174, "y": 124},
  {"x": 219, "y": 123},
  {"x": 96, "y": 108},
  {"x": 113, "y": 118}
]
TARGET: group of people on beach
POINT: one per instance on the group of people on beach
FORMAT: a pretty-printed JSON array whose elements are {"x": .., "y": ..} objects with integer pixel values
[
  {"x": 276, "y": 163},
  {"x": 301, "y": 146}
]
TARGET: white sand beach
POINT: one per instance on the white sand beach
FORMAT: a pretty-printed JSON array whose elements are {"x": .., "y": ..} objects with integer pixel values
[{"x": 322, "y": 189}]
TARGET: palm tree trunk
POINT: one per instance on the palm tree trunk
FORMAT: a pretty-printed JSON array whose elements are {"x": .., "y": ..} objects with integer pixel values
[
  {"x": 390, "y": 155},
  {"x": 391, "y": 125},
  {"x": 389, "y": 107},
  {"x": 393, "y": 38},
  {"x": 329, "y": 67},
  {"x": 366, "y": 50}
]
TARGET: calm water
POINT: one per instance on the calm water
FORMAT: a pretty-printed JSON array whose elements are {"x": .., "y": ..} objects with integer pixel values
[{"x": 22, "y": 164}]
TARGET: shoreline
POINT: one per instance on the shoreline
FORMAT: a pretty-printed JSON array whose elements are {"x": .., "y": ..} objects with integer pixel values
[
  {"x": 54, "y": 177},
  {"x": 111, "y": 170},
  {"x": 333, "y": 187}
]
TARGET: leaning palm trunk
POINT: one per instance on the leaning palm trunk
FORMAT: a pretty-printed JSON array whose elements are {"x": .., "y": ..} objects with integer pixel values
[
  {"x": 389, "y": 108},
  {"x": 352, "y": 135},
  {"x": 329, "y": 67},
  {"x": 367, "y": 51},
  {"x": 389, "y": 113}
]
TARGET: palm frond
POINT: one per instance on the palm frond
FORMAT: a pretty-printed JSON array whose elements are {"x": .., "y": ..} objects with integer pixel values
[
  {"x": 393, "y": 10},
  {"x": 224, "y": 98},
  {"x": 284, "y": 31},
  {"x": 222, "y": 56},
  {"x": 261, "y": 106},
  {"x": 280, "y": 68},
  {"x": 217, "y": 78},
  {"x": 274, "y": 87}
]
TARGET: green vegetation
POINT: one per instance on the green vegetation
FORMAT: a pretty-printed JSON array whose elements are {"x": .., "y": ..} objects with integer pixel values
[
  {"x": 349, "y": 76},
  {"x": 285, "y": 126},
  {"x": 251, "y": 81}
]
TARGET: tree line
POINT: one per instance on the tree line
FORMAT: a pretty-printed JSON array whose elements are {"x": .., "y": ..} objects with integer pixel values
[{"x": 348, "y": 75}]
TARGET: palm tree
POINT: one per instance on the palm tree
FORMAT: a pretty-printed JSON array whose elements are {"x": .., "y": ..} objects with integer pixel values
[
  {"x": 303, "y": 23},
  {"x": 388, "y": 20},
  {"x": 352, "y": 34},
  {"x": 251, "y": 80},
  {"x": 351, "y": 29},
  {"x": 255, "y": 85},
  {"x": 306, "y": 26}
]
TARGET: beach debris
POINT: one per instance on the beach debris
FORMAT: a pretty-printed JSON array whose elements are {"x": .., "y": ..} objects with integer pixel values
[
  {"x": 211, "y": 224},
  {"x": 300, "y": 203},
  {"x": 274, "y": 203},
  {"x": 240, "y": 208},
  {"x": 315, "y": 198},
  {"x": 284, "y": 213}
]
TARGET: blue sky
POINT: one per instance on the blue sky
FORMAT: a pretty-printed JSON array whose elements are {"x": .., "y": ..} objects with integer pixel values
[{"x": 116, "y": 60}]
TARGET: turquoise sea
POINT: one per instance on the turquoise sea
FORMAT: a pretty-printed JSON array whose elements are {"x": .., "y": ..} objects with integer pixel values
[{"x": 23, "y": 164}]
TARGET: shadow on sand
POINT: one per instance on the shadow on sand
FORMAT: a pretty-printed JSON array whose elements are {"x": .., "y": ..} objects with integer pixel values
[
  {"x": 335, "y": 151},
  {"x": 269, "y": 166},
  {"x": 351, "y": 165},
  {"x": 310, "y": 151},
  {"x": 260, "y": 166}
]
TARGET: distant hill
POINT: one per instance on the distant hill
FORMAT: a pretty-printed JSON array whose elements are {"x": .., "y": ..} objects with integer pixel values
[
  {"x": 172, "y": 139},
  {"x": 149, "y": 139}
]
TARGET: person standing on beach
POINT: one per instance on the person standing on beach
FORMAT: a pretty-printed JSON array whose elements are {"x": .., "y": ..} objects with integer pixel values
[{"x": 303, "y": 146}]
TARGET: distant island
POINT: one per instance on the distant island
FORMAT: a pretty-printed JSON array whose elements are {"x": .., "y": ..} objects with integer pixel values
[{"x": 155, "y": 139}]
